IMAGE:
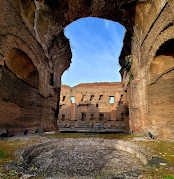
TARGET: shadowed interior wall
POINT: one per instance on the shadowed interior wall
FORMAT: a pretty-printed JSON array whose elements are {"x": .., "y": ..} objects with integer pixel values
[
  {"x": 21, "y": 106},
  {"x": 21, "y": 65},
  {"x": 36, "y": 28},
  {"x": 161, "y": 92}
]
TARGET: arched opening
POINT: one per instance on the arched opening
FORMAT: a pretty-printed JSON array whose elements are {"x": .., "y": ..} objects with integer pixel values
[
  {"x": 96, "y": 45},
  {"x": 160, "y": 91},
  {"x": 21, "y": 105},
  {"x": 21, "y": 65}
]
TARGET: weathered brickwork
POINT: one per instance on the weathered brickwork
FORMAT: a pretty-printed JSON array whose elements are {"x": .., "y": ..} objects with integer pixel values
[
  {"x": 32, "y": 32},
  {"x": 149, "y": 82},
  {"x": 93, "y": 104}
]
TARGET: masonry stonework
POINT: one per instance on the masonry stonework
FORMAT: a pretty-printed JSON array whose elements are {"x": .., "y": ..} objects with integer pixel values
[
  {"x": 94, "y": 105},
  {"x": 31, "y": 34}
]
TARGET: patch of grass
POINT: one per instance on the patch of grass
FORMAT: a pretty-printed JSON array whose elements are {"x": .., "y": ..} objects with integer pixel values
[
  {"x": 11, "y": 174},
  {"x": 160, "y": 173},
  {"x": 9, "y": 147},
  {"x": 2, "y": 154},
  {"x": 161, "y": 149},
  {"x": 83, "y": 135},
  {"x": 66, "y": 135},
  {"x": 117, "y": 136},
  {"x": 169, "y": 177},
  {"x": 8, "y": 153}
]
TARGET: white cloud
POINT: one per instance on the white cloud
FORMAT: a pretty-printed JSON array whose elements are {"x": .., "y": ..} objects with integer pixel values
[
  {"x": 95, "y": 54},
  {"x": 106, "y": 23}
]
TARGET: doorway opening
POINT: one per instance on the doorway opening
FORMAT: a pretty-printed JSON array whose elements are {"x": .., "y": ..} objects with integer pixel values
[{"x": 83, "y": 116}]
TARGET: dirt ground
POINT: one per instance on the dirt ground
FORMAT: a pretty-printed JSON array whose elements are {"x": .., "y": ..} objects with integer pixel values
[{"x": 78, "y": 156}]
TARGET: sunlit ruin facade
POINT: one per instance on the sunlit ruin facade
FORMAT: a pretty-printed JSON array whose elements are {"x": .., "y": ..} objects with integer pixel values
[
  {"x": 93, "y": 107},
  {"x": 34, "y": 53}
]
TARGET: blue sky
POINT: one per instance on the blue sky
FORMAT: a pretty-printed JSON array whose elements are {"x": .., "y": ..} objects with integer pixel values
[{"x": 96, "y": 45}]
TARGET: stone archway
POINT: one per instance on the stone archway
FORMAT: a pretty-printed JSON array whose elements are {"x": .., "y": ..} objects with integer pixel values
[
  {"x": 37, "y": 27},
  {"x": 160, "y": 91},
  {"x": 21, "y": 105},
  {"x": 49, "y": 18}
]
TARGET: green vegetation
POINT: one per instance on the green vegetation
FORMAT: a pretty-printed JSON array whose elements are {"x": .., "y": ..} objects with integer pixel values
[
  {"x": 10, "y": 174},
  {"x": 161, "y": 149},
  {"x": 8, "y": 148},
  {"x": 7, "y": 154},
  {"x": 126, "y": 62},
  {"x": 169, "y": 177},
  {"x": 86, "y": 135},
  {"x": 2, "y": 154},
  {"x": 131, "y": 77}
]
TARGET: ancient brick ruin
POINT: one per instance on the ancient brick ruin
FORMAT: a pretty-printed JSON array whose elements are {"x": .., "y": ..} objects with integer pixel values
[
  {"x": 96, "y": 107},
  {"x": 34, "y": 53}
]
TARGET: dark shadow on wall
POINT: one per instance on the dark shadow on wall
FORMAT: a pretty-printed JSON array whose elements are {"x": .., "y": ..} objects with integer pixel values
[
  {"x": 21, "y": 105},
  {"x": 21, "y": 65},
  {"x": 166, "y": 48},
  {"x": 160, "y": 92},
  {"x": 122, "y": 114}
]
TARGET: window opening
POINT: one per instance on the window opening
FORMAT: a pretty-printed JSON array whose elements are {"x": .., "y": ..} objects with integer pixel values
[
  {"x": 64, "y": 97},
  {"x": 92, "y": 97},
  {"x": 101, "y": 117},
  {"x": 111, "y": 101},
  {"x": 100, "y": 97},
  {"x": 63, "y": 117},
  {"x": 100, "y": 28},
  {"x": 51, "y": 79},
  {"x": 92, "y": 116},
  {"x": 82, "y": 97},
  {"x": 83, "y": 116},
  {"x": 73, "y": 99}
]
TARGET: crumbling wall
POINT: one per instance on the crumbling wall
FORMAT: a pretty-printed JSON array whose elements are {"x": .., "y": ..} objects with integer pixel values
[
  {"x": 27, "y": 97},
  {"x": 21, "y": 106},
  {"x": 153, "y": 27},
  {"x": 160, "y": 92},
  {"x": 36, "y": 28},
  {"x": 92, "y": 106}
]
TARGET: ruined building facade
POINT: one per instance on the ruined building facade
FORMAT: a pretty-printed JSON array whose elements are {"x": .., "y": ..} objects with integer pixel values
[
  {"x": 93, "y": 106},
  {"x": 34, "y": 53}
]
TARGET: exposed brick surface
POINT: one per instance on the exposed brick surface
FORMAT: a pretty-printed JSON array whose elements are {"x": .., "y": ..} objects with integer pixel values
[
  {"x": 36, "y": 28},
  {"x": 92, "y": 106}
]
